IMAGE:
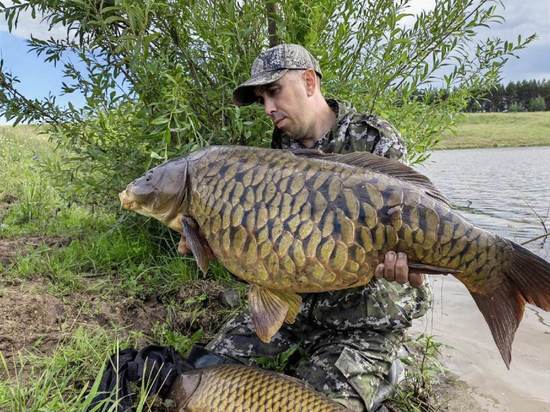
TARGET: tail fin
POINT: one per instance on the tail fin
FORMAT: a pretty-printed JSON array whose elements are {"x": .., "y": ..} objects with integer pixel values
[{"x": 526, "y": 280}]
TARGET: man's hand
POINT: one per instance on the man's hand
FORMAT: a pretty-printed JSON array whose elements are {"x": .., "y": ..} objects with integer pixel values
[{"x": 396, "y": 269}]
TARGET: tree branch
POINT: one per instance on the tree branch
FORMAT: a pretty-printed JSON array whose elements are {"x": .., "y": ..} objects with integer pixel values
[
  {"x": 536, "y": 238},
  {"x": 271, "y": 12}
]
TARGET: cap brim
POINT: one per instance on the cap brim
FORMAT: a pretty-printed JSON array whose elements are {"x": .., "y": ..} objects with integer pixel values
[{"x": 244, "y": 95}]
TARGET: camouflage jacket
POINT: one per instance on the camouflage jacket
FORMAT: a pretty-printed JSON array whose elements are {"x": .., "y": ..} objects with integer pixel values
[{"x": 388, "y": 305}]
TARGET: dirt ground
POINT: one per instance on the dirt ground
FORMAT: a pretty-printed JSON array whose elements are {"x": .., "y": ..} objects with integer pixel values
[
  {"x": 11, "y": 248},
  {"x": 31, "y": 318}
]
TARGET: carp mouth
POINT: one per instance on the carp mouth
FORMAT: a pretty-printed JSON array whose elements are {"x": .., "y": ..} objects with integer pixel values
[
  {"x": 152, "y": 207},
  {"x": 125, "y": 200},
  {"x": 130, "y": 201}
]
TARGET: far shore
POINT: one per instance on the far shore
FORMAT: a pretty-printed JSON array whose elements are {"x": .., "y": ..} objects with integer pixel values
[
  {"x": 488, "y": 130},
  {"x": 483, "y": 146}
]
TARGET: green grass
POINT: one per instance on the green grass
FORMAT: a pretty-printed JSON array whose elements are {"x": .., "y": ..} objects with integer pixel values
[
  {"x": 105, "y": 256},
  {"x": 480, "y": 130},
  {"x": 418, "y": 391},
  {"x": 100, "y": 242},
  {"x": 61, "y": 381}
]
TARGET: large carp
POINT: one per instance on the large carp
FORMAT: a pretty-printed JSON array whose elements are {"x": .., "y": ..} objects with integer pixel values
[
  {"x": 303, "y": 221},
  {"x": 243, "y": 388}
]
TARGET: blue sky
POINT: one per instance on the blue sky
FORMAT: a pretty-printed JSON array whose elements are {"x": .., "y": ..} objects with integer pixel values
[{"x": 38, "y": 79}]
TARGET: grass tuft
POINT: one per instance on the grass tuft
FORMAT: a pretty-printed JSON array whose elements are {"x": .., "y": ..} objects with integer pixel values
[
  {"x": 423, "y": 370},
  {"x": 62, "y": 381}
]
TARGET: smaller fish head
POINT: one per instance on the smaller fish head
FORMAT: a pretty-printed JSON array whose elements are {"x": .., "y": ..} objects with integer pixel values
[
  {"x": 160, "y": 193},
  {"x": 184, "y": 388}
]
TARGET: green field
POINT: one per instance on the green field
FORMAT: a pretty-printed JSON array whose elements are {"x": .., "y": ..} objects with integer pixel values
[{"x": 498, "y": 130}]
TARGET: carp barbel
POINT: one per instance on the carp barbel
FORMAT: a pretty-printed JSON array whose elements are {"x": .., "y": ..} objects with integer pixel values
[{"x": 290, "y": 222}]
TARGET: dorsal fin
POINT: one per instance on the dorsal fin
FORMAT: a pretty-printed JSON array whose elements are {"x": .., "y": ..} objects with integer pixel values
[{"x": 378, "y": 164}]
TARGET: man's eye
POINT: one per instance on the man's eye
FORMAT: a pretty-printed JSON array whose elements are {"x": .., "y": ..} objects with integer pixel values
[
  {"x": 273, "y": 92},
  {"x": 260, "y": 100}
]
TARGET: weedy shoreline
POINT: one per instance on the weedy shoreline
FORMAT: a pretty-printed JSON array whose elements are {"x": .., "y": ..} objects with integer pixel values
[{"x": 77, "y": 282}]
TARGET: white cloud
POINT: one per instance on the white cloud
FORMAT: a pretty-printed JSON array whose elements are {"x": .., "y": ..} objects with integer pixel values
[
  {"x": 27, "y": 26},
  {"x": 524, "y": 18},
  {"x": 520, "y": 18},
  {"x": 416, "y": 6}
]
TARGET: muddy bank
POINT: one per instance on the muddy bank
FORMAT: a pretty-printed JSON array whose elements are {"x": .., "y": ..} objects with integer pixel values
[
  {"x": 11, "y": 249},
  {"x": 33, "y": 319},
  {"x": 471, "y": 355}
]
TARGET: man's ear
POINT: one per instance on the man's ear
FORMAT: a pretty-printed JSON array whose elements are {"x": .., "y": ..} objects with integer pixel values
[{"x": 310, "y": 79}]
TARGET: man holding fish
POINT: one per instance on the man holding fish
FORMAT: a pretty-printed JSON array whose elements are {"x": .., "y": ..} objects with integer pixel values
[
  {"x": 309, "y": 231},
  {"x": 350, "y": 338}
]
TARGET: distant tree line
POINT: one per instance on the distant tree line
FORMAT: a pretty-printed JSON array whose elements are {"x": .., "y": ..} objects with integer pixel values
[{"x": 526, "y": 95}]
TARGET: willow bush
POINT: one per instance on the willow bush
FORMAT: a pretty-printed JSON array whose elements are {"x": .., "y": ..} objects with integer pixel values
[{"x": 157, "y": 76}]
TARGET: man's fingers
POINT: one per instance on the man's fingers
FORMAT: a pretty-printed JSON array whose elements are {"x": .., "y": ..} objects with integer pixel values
[
  {"x": 401, "y": 269},
  {"x": 389, "y": 266},
  {"x": 396, "y": 269},
  {"x": 379, "y": 271},
  {"x": 416, "y": 279}
]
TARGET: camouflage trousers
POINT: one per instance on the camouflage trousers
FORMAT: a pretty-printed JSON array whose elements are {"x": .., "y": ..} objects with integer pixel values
[{"x": 348, "y": 339}]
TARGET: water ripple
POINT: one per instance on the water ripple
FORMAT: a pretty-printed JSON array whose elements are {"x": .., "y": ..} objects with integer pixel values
[{"x": 500, "y": 190}]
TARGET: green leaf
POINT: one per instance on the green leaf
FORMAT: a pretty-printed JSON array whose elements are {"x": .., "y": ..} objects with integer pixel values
[{"x": 156, "y": 156}]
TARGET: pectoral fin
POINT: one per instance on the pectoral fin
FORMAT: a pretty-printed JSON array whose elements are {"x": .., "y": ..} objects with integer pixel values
[
  {"x": 294, "y": 302},
  {"x": 269, "y": 309},
  {"x": 430, "y": 269},
  {"x": 198, "y": 245}
]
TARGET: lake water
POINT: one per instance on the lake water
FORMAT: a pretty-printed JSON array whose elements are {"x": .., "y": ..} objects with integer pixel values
[{"x": 501, "y": 190}]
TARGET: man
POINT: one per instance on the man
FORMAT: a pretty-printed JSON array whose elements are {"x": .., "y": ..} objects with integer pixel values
[{"x": 348, "y": 339}]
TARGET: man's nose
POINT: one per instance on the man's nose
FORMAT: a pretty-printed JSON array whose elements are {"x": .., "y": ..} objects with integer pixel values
[{"x": 269, "y": 107}]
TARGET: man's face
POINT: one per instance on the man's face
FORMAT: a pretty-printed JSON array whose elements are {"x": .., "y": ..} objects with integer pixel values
[{"x": 286, "y": 103}]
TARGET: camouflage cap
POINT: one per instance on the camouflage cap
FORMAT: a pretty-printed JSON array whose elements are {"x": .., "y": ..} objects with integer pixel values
[{"x": 270, "y": 66}]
